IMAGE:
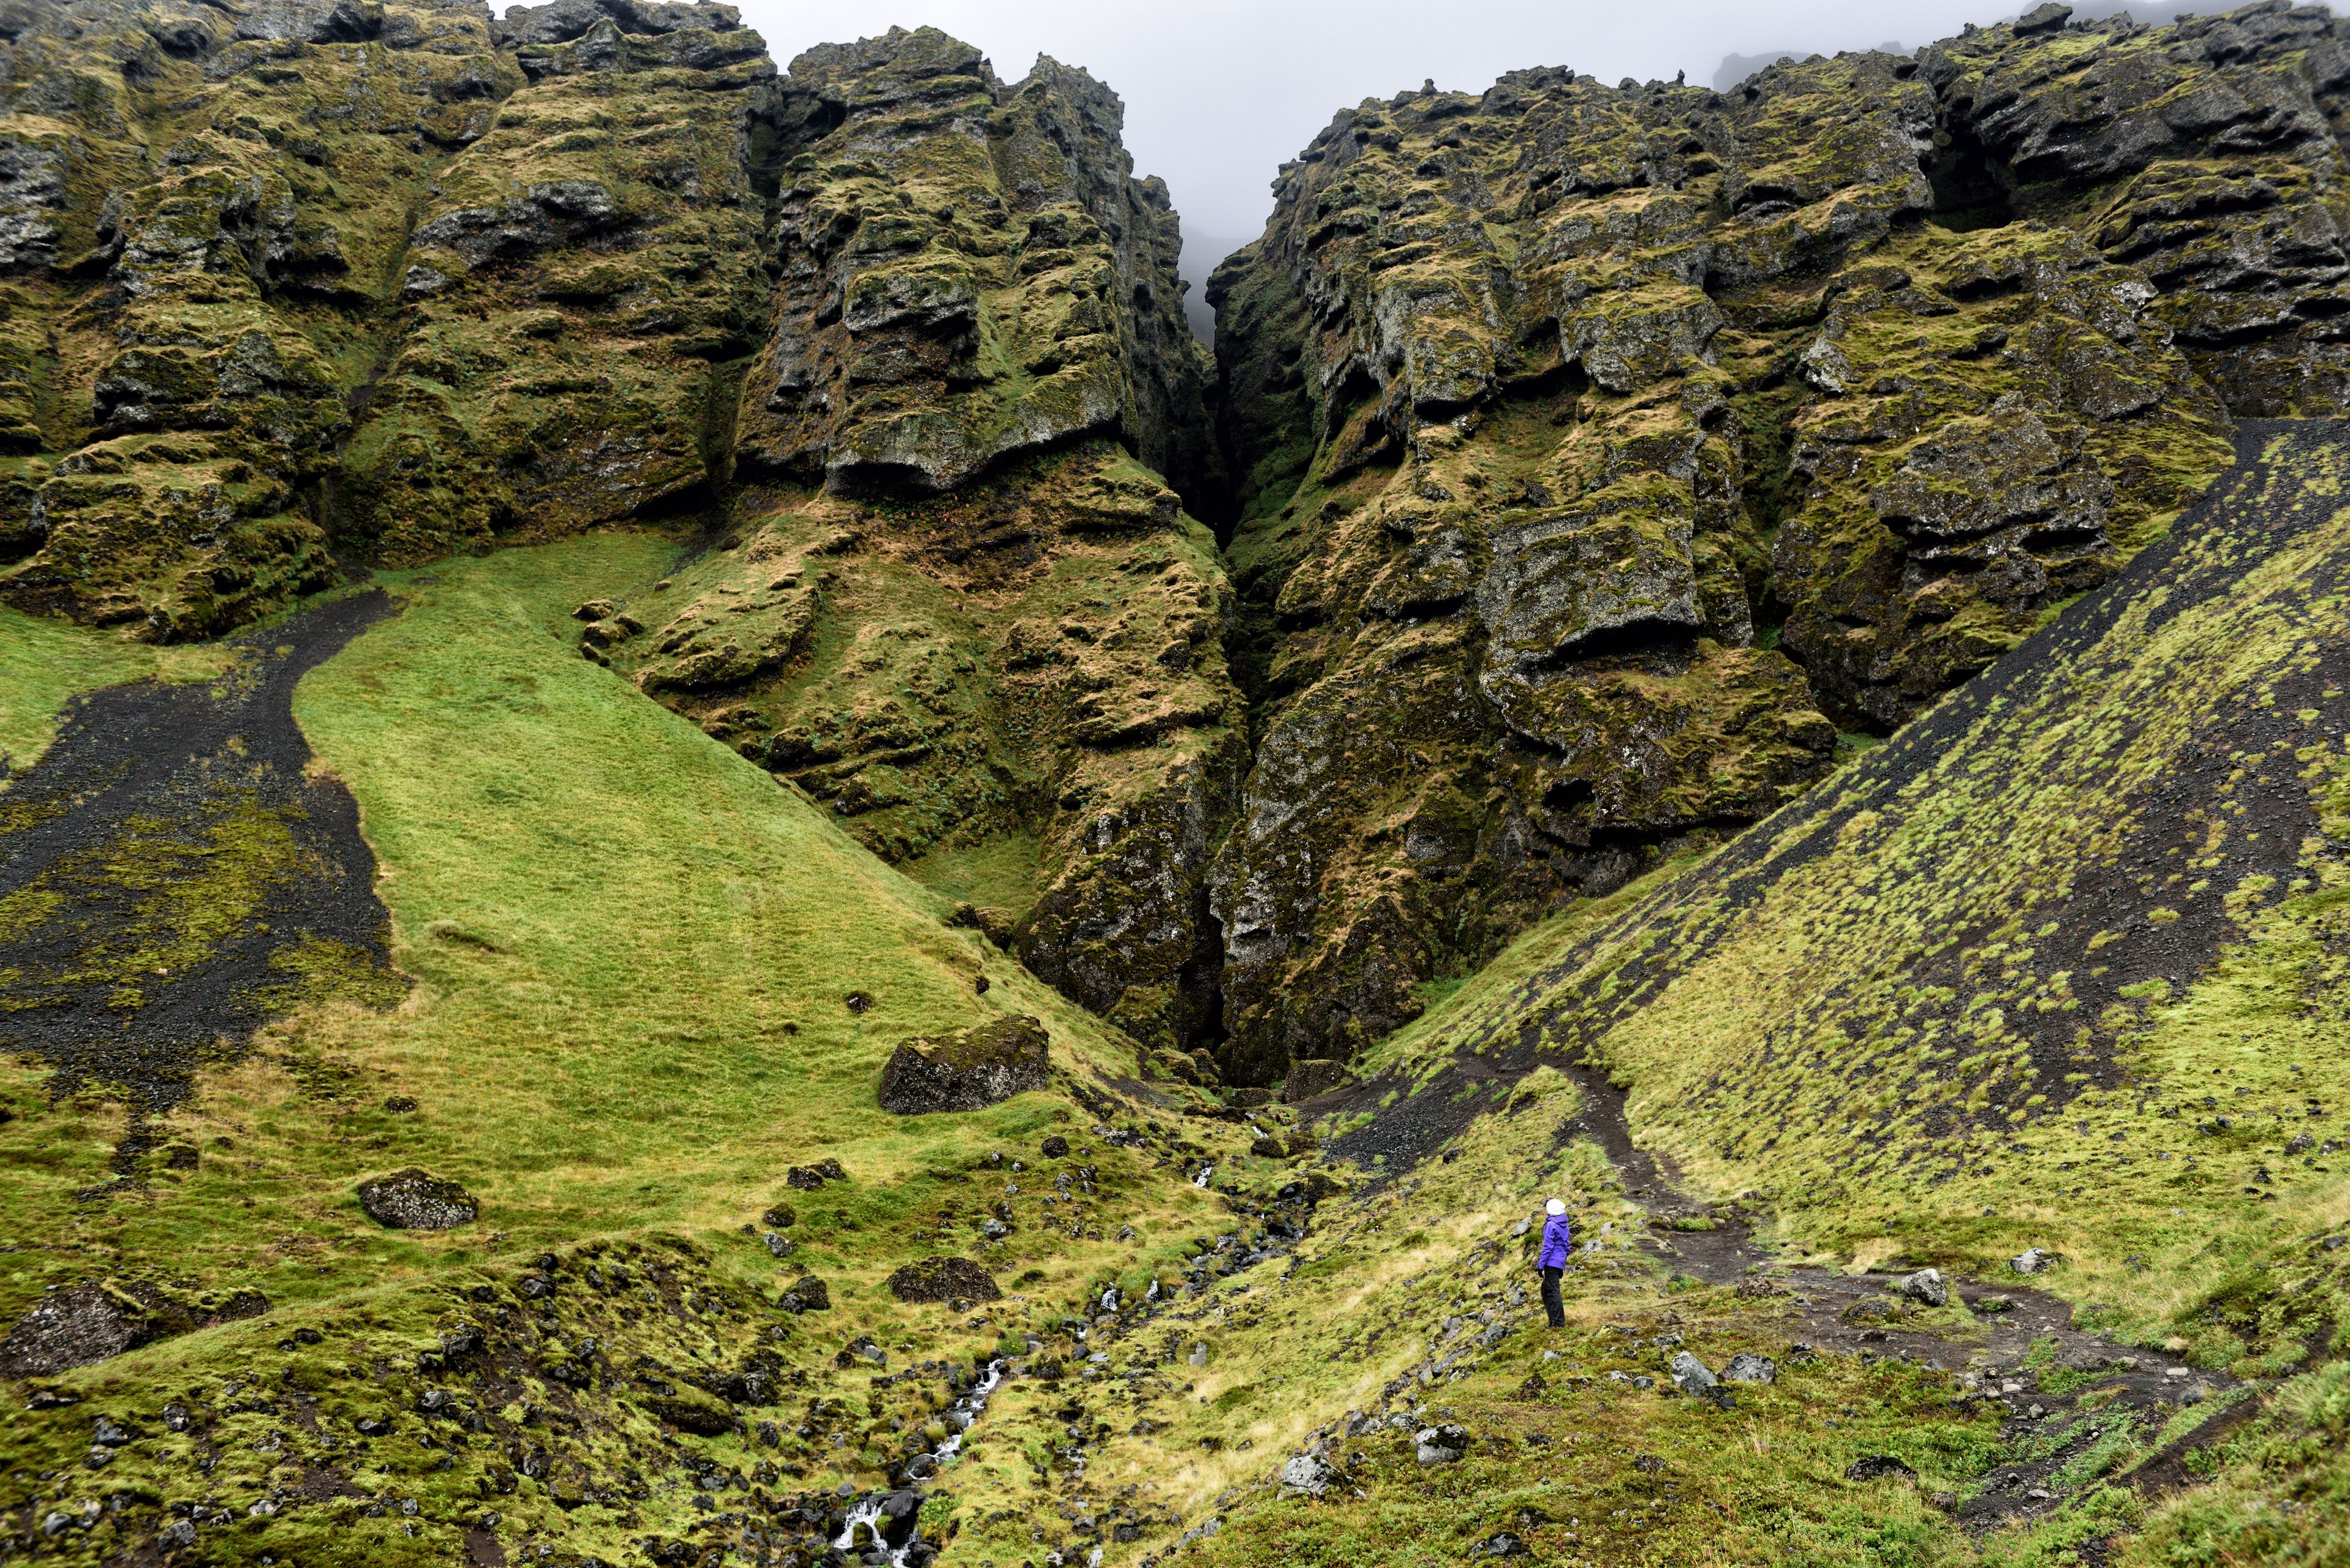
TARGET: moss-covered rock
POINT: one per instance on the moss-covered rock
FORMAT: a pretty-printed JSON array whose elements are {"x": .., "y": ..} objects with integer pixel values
[{"x": 1601, "y": 450}]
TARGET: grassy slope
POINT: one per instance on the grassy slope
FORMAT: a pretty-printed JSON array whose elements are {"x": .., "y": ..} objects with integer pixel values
[
  {"x": 631, "y": 951},
  {"x": 44, "y": 663},
  {"x": 1769, "y": 1011}
]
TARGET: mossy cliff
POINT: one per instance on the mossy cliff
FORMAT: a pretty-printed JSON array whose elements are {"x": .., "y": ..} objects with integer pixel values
[
  {"x": 1600, "y": 451},
  {"x": 375, "y": 285}
]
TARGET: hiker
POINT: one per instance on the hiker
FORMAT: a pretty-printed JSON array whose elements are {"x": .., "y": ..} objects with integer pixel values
[{"x": 1558, "y": 1247}]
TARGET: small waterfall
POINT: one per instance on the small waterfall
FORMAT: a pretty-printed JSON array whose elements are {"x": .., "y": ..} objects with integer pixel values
[{"x": 862, "y": 1533}]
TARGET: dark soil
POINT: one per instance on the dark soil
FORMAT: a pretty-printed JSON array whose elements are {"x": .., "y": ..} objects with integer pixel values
[{"x": 133, "y": 843}]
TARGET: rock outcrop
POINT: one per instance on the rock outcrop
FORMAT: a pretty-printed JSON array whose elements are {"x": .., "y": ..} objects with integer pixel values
[
  {"x": 965, "y": 1071},
  {"x": 1600, "y": 451},
  {"x": 415, "y": 1200},
  {"x": 943, "y": 1279}
]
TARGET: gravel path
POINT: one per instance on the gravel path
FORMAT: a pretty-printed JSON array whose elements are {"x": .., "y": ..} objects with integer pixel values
[{"x": 170, "y": 879}]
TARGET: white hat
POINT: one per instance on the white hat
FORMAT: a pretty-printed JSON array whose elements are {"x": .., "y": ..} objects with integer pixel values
[{"x": 1555, "y": 1206}]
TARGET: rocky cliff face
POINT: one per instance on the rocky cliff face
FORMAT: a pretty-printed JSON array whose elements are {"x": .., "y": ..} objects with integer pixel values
[
  {"x": 1601, "y": 450},
  {"x": 1591, "y": 455},
  {"x": 287, "y": 283}
]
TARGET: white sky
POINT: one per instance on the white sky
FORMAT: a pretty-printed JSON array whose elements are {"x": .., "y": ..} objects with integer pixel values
[{"x": 1219, "y": 92}]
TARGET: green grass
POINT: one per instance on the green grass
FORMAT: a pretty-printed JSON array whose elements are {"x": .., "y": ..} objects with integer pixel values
[
  {"x": 44, "y": 664},
  {"x": 1003, "y": 872},
  {"x": 631, "y": 953}
]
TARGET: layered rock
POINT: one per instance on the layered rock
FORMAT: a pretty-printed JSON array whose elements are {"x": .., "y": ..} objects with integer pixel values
[
  {"x": 580, "y": 293},
  {"x": 961, "y": 602},
  {"x": 198, "y": 206},
  {"x": 1600, "y": 451},
  {"x": 384, "y": 280},
  {"x": 967, "y": 271}
]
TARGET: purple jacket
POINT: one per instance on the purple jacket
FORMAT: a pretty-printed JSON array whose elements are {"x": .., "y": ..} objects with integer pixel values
[{"x": 1558, "y": 1243}]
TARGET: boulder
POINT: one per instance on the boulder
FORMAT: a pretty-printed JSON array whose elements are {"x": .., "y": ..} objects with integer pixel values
[
  {"x": 413, "y": 1200},
  {"x": 1926, "y": 1287},
  {"x": 1691, "y": 1375},
  {"x": 807, "y": 1293},
  {"x": 943, "y": 1279},
  {"x": 1308, "y": 1475},
  {"x": 1312, "y": 1077},
  {"x": 967, "y": 1070},
  {"x": 689, "y": 1409},
  {"x": 810, "y": 1177},
  {"x": 2030, "y": 1260},
  {"x": 72, "y": 1327},
  {"x": 1441, "y": 1445},
  {"x": 1749, "y": 1368}
]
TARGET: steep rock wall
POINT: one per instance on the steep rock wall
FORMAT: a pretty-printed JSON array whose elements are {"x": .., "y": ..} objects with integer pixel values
[{"x": 1599, "y": 452}]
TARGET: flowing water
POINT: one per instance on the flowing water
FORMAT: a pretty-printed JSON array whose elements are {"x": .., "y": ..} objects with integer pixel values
[{"x": 861, "y": 1532}]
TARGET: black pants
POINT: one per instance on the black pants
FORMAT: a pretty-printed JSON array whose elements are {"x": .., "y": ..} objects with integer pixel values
[{"x": 1551, "y": 1304}]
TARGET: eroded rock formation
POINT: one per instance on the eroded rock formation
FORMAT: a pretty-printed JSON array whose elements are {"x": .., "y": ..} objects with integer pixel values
[
  {"x": 1601, "y": 450},
  {"x": 1589, "y": 456}
]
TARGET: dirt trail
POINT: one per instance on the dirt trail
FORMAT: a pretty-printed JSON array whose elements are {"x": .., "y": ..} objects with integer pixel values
[
  {"x": 2149, "y": 1383},
  {"x": 170, "y": 880}
]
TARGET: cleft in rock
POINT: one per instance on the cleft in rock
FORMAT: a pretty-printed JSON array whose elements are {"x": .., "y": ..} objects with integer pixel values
[
  {"x": 413, "y": 1200},
  {"x": 967, "y": 1070},
  {"x": 943, "y": 1279}
]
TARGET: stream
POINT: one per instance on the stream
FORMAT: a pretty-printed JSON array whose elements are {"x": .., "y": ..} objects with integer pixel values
[{"x": 873, "y": 1520}]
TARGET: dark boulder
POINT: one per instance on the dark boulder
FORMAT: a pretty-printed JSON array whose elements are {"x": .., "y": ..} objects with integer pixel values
[
  {"x": 87, "y": 1323},
  {"x": 71, "y": 1327},
  {"x": 806, "y": 1294},
  {"x": 1877, "y": 1466},
  {"x": 412, "y": 1199},
  {"x": 967, "y": 1070},
  {"x": 942, "y": 1279},
  {"x": 689, "y": 1409},
  {"x": 1314, "y": 1076}
]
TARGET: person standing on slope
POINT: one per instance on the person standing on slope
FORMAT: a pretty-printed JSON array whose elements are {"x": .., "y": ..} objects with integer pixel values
[{"x": 1557, "y": 1246}]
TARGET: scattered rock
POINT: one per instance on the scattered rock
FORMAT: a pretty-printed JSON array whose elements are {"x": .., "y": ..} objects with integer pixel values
[
  {"x": 1310, "y": 1076},
  {"x": 778, "y": 1245},
  {"x": 1877, "y": 1467},
  {"x": 689, "y": 1409},
  {"x": 967, "y": 1070},
  {"x": 1054, "y": 1147},
  {"x": 1747, "y": 1367},
  {"x": 809, "y": 1178},
  {"x": 1308, "y": 1475},
  {"x": 782, "y": 1216},
  {"x": 1691, "y": 1375},
  {"x": 2030, "y": 1260},
  {"x": 72, "y": 1327},
  {"x": 1441, "y": 1445},
  {"x": 412, "y": 1199},
  {"x": 807, "y": 1293},
  {"x": 1927, "y": 1286},
  {"x": 942, "y": 1279},
  {"x": 1502, "y": 1544}
]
